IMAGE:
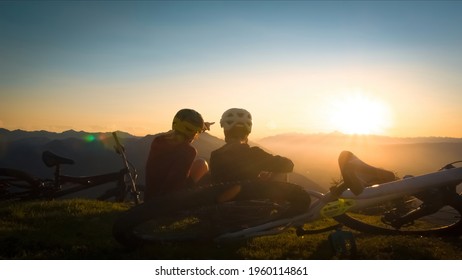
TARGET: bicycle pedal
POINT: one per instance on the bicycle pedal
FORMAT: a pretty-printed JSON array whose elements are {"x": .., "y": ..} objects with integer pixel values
[
  {"x": 411, "y": 223},
  {"x": 299, "y": 231},
  {"x": 387, "y": 222}
]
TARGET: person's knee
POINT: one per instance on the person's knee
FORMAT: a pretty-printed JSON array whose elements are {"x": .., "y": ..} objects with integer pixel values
[{"x": 199, "y": 168}]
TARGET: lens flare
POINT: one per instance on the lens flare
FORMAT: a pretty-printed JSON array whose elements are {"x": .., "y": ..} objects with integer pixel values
[{"x": 89, "y": 138}]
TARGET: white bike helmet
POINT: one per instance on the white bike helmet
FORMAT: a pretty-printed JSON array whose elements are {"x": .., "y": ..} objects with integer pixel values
[{"x": 236, "y": 117}]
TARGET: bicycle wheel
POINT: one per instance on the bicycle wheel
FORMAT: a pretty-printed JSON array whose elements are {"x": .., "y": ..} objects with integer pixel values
[
  {"x": 319, "y": 226},
  {"x": 16, "y": 184},
  {"x": 205, "y": 213},
  {"x": 436, "y": 212}
]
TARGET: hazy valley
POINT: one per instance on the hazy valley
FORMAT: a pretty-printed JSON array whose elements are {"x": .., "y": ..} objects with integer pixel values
[{"x": 314, "y": 155}]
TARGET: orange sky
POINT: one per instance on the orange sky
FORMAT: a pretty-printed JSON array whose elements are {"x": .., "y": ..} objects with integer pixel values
[{"x": 305, "y": 67}]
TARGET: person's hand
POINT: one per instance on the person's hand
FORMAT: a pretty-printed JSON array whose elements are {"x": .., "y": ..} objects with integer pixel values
[
  {"x": 272, "y": 176},
  {"x": 207, "y": 126},
  {"x": 265, "y": 175}
]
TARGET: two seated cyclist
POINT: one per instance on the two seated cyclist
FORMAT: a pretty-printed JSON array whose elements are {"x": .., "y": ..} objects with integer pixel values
[{"x": 172, "y": 163}]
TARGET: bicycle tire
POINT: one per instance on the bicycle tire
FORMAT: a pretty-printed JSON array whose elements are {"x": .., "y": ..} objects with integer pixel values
[
  {"x": 427, "y": 227},
  {"x": 17, "y": 184},
  {"x": 309, "y": 229},
  {"x": 207, "y": 205}
]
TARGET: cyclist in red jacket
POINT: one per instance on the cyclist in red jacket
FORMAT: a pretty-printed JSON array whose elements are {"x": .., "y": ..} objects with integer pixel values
[
  {"x": 172, "y": 164},
  {"x": 236, "y": 160}
]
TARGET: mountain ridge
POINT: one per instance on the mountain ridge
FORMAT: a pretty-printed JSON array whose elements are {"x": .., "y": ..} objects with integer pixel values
[
  {"x": 314, "y": 155},
  {"x": 11, "y": 135},
  {"x": 19, "y": 133},
  {"x": 372, "y": 137}
]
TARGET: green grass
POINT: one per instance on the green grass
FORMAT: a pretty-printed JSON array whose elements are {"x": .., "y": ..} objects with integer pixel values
[
  {"x": 81, "y": 229},
  {"x": 66, "y": 229}
]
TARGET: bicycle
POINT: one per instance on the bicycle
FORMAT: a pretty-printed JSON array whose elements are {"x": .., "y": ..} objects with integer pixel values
[
  {"x": 19, "y": 185},
  {"x": 241, "y": 210}
]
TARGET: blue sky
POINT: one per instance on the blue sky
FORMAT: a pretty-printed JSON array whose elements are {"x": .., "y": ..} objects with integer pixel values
[{"x": 130, "y": 65}]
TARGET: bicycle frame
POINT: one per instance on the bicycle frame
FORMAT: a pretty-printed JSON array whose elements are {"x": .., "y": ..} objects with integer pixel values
[
  {"x": 61, "y": 185},
  {"x": 348, "y": 201},
  {"x": 85, "y": 182}
]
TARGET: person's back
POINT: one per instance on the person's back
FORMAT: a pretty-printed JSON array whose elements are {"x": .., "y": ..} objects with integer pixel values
[
  {"x": 236, "y": 160},
  {"x": 172, "y": 163},
  {"x": 168, "y": 164}
]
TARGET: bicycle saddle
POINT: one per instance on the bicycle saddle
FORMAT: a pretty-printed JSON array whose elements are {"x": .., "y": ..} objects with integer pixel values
[
  {"x": 357, "y": 174},
  {"x": 51, "y": 159}
]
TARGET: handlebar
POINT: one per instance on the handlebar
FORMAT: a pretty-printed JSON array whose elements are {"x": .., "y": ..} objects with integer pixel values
[
  {"x": 450, "y": 165},
  {"x": 120, "y": 149}
]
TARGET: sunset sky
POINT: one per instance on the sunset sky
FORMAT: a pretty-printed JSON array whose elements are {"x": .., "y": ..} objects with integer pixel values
[{"x": 383, "y": 67}]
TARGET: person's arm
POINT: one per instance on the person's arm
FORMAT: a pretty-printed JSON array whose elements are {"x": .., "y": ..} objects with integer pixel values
[
  {"x": 178, "y": 176},
  {"x": 272, "y": 163},
  {"x": 219, "y": 168}
]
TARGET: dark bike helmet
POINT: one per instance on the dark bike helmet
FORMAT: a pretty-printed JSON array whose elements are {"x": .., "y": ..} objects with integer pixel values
[{"x": 188, "y": 122}]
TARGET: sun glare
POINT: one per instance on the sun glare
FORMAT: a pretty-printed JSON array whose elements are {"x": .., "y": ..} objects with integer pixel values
[{"x": 358, "y": 114}]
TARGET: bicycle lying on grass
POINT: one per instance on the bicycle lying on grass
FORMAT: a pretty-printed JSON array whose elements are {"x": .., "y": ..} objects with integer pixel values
[
  {"x": 18, "y": 185},
  {"x": 428, "y": 204}
]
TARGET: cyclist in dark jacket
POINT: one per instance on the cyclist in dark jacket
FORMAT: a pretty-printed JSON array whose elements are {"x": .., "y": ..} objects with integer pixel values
[
  {"x": 172, "y": 163},
  {"x": 236, "y": 160}
]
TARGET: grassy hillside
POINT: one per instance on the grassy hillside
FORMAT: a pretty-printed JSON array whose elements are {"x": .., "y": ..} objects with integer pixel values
[{"x": 81, "y": 229}]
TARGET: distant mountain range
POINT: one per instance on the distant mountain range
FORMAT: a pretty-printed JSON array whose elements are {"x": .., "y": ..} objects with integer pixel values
[
  {"x": 42, "y": 134},
  {"x": 314, "y": 155},
  {"x": 93, "y": 153}
]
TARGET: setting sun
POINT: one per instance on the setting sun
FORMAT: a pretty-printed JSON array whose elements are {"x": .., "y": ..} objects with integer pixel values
[{"x": 358, "y": 114}]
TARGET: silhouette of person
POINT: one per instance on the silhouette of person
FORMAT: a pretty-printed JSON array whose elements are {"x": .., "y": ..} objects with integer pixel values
[
  {"x": 342, "y": 243},
  {"x": 172, "y": 164},
  {"x": 237, "y": 161}
]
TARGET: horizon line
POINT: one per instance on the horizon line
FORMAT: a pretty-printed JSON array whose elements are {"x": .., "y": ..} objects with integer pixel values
[{"x": 269, "y": 136}]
